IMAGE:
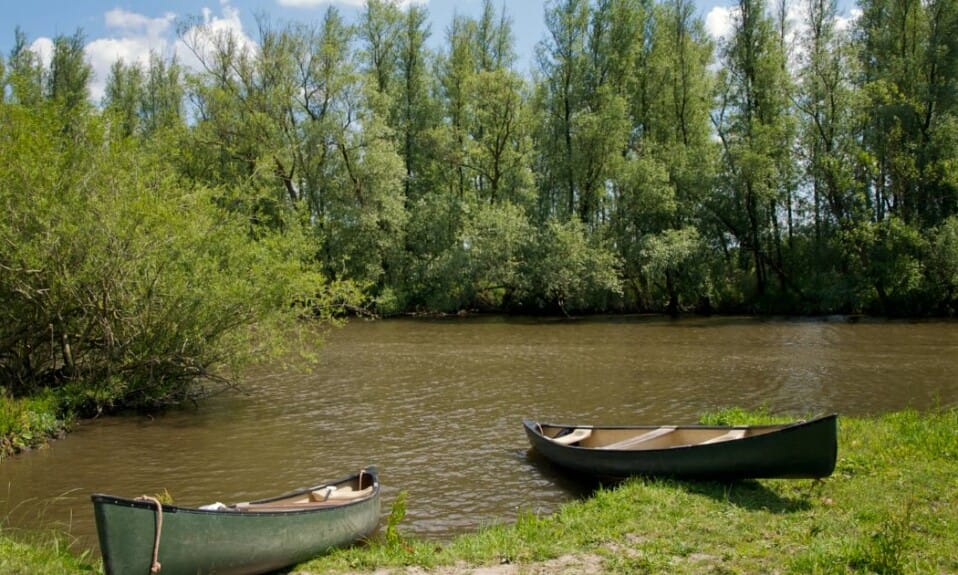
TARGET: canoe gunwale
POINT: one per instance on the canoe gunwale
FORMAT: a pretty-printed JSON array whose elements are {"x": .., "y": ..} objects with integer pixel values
[
  {"x": 233, "y": 509},
  {"x": 536, "y": 427}
]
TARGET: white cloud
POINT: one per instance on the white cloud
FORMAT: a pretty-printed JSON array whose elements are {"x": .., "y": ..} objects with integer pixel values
[
  {"x": 354, "y": 3},
  {"x": 315, "y": 3},
  {"x": 843, "y": 23},
  {"x": 203, "y": 37},
  {"x": 139, "y": 24},
  {"x": 43, "y": 48},
  {"x": 718, "y": 22},
  {"x": 133, "y": 37}
]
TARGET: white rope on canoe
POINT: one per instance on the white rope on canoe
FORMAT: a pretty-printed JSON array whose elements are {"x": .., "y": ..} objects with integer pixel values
[{"x": 155, "y": 565}]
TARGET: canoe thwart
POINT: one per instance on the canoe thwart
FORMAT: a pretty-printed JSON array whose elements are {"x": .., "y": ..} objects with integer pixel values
[
  {"x": 732, "y": 434},
  {"x": 642, "y": 438}
]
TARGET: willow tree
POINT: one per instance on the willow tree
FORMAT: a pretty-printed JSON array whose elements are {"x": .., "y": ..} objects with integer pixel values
[
  {"x": 830, "y": 112},
  {"x": 583, "y": 129},
  {"x": 561, "y": 96},
  {"x": 482, "y": 99},
  {"x": 121, "y": 100},
  {"x": 754, "y": 122},
  {"x": 909, "y": 57},
  {"x": 908, "y": 53},
  {"x": 585, "y": 64},
  {"x": 658, "y": 218},
  {"x": 349, "y": 169},
  {"x": 396, "y": 59},
  {"x": 477, "y": 151},
  {"x": 124, "y": 285},
  {"x": 69, "y": 74},
  {"x": 24, "y": 73}
]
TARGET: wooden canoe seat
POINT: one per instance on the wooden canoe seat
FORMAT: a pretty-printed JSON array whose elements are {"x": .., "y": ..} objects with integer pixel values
[
  {"x": 577, "y": 435},
  {"x": 633, "y": 441},
  {"x": 333, "y": 494},
  {"x": 732, "y": 434}
]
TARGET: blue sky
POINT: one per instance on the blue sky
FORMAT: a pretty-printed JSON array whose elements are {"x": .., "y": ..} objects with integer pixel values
[{"x": 129, "y": 29}]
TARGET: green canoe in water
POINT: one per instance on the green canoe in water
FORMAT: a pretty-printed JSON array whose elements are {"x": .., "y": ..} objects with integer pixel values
[{"x": 140, "y": 536}]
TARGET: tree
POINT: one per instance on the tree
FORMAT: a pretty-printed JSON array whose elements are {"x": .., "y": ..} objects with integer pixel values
[
  {"x": 566, "y": 272},
  {"x": 414, "y": 114},
  {"x": 25, "y": 74},
  {"x": 111, "y": 296},
  {"x": 909, "y": 59},
  {"x": 830, "y": 112},
  {"x": 123, "y": 95},
  {"x": 561, "y": 59},
  {"x": 161, "y": 105},
  {"x": 499, "y": 154},
  {"x": 69, "y": 75},
  {"x": 754, "y": 124}
]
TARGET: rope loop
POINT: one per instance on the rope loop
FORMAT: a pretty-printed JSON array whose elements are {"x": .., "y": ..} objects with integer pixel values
[{"x": 155, "y": 565}]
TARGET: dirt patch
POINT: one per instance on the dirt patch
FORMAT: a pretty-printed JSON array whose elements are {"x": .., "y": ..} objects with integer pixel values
[{"x": 586, "y": 564}]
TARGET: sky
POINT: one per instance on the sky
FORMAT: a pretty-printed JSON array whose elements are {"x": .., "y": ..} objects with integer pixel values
[{"x": 130, "y": 29}]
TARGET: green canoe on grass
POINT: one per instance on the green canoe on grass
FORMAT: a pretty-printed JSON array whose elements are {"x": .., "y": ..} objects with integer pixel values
[
  {"x": 803, "y": 449},
  {"x": 243, "y": 538}
]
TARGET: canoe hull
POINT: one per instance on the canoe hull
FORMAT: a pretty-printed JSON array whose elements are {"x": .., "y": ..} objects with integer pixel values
[
  {"x": 225, "y": 542},
  {"x": 802, "y": 450}
]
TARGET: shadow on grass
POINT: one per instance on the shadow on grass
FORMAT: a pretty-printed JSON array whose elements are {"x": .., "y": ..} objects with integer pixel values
[{"x": 748, "y": 494}]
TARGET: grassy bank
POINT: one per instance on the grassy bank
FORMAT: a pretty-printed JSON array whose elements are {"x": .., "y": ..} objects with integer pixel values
[
  {"x": 41, "y": 554},
  {"x": 890, "y": 507},
  {"x": 28, "y": 422}
]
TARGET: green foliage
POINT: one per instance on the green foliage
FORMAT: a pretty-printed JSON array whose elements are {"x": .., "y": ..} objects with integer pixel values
[
  {"x": 674, "y": 262},
  {"x": 397, "y": 512},
  {"x": 943, "y": 265},
  {"x": 569, "y": 273},
  {"x": 626, "y": 172},
  {"x": 886, "y": 549},
  {"x": 115, "y": 297},
  {"x": 42, "y": 554},
  {"x": 889, "y": 256},
  {"x": 495, "y": 242},
  {"x": 29, "y": 422}
]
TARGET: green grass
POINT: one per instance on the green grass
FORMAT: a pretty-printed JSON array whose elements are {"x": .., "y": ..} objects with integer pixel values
[
  {"x": 890, "y": 507},
  {"x": 41, "y": 554},
  {"x": 28, "y": 422}
]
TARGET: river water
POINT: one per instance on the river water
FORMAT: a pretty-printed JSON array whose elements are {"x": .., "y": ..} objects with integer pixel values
[{"x": 437, "y": 406}]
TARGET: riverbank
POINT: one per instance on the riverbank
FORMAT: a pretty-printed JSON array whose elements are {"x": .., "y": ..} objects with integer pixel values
[
  {"x": 28, "y": 423},
  {"x": 890, "y": 507}
]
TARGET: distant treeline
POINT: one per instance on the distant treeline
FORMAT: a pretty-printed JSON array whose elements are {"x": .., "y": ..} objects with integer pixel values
[{"x": 806, "y": 167}]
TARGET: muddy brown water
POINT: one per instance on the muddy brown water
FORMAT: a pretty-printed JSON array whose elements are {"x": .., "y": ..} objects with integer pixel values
[{"x": 437, "y": 406}]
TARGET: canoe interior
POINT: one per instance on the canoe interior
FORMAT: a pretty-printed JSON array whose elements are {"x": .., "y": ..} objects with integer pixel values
[
  {"x": 647, "y": 438},
  {"x": 353, "y": 489}
]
